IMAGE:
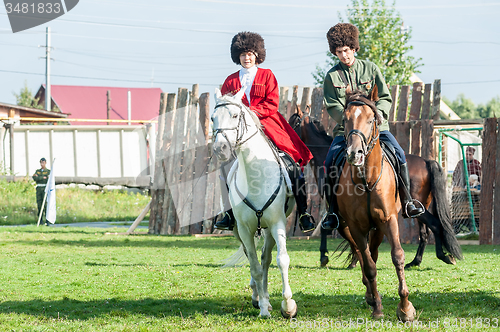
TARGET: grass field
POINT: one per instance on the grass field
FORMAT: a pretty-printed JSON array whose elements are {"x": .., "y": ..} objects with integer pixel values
[
  {"x": 80, "y": 279},
  {"x": 73, "y": 204}
]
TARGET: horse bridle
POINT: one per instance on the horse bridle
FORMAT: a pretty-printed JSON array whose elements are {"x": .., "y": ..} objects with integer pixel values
[
  {"x": 241, "y": 128},
  {"x": 366, "y": 145}
]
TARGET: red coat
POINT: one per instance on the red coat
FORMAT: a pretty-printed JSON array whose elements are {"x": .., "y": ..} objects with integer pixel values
[{"x": 265, "y": 100}]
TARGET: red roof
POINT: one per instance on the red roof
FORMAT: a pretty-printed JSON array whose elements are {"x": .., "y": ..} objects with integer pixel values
[{"x": 90, "y": 102}]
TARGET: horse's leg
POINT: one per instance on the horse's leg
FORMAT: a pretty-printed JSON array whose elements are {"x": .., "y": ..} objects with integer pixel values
[
  {"x": 288, "y": 305},
  {"x": 435, "y": 226},
  {"x": 424, "y": 238},
  {"x": 323, "y": 248},
  {"x": 369, "y": 269},
  {"x": 253, "y": 285},
  {"x": 265, "y": 261},
  {"x": 406, "y": 311},
  {"x": 255, "y": 270}
]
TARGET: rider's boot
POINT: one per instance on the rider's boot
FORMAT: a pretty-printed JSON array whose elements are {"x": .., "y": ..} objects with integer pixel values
[
  {"x": 409, "y": 208},
  {"x": 331, "y": 220},
  {"x": 225, "y": 220},
  {"x": 299, "y": 191}
]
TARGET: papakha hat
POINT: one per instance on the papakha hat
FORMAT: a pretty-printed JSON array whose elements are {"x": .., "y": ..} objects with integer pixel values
[{"x": 248, "y": 42}]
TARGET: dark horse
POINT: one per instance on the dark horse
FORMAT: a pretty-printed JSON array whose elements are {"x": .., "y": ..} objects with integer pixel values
[{"x": 428, "y": 185}]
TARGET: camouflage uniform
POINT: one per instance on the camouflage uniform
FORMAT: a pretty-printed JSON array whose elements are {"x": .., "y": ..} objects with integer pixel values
[{"x": 41, "y": 183}]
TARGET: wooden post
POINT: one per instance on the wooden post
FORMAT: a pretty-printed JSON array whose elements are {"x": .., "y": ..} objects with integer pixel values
[
  {"x": 402, "y": 127},
  {"x": 428, "y": 140},
  {"x": 317, "y": 102},
  {"x": 404, "y": 97},
  {"x": 178, "y": 169},
  {"x": 394, "y": 97},
  {"x": 283, "y": 100},
  {"x": 108, "y": 104},
  {"x": 488, "y": 172},
  {"x": 200, "y": 168},
  {"x": 306, "y": 98},
  {"x": 436, "y": 100},
  {"x": 294, "y": 102},
  {"x": 158, "y": 187},
  {"x": 496, "y": 225},
  {"x": 426, "y": 106},
  {"x": 167, "y": 225},
  {"x": 416, "y": 105}
]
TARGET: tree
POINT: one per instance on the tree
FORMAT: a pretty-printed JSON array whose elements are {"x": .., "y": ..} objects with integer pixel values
[
  {"x": 26, "y": 98},
  {"x": 491, "y": 109},
  {"x": 463, "y": 106},
  {"x": 381, "y": 40}
]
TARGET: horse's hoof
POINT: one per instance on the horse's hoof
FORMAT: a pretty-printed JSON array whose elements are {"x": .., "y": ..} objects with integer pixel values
[
  {"x": 351, "y": 266},
  {"x": 324, "y": 261},
  {"x": 450, "y": 260},
  {"x": 377, "y": 315},
  {"x": 288, "y": 315},
  {"x": 255, "y": 304},
  {"x": 410, "y": 265},
  {"x": 407, "y": 315}
]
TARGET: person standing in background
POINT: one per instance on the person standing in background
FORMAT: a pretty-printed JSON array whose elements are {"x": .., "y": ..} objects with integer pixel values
[{"x": 41, "y": 177}]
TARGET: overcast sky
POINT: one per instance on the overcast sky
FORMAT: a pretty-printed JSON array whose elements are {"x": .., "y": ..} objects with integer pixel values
[{"x": 171, "y": 44}]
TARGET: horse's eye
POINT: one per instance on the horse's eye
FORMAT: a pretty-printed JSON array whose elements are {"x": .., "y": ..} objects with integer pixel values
[{"x": 235, "y": 116}]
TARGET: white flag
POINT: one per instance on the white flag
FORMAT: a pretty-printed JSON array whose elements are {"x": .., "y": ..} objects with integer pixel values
[{"x": 50, "y": 189}]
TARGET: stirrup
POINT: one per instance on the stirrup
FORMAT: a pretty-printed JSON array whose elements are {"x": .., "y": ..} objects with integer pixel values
[
  {"x": 421, "y": 208},
  {"x": 312, "y": 223},
  {"x": 325, "y": 220}
]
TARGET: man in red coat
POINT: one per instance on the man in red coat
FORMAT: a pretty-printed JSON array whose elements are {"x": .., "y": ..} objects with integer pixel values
[{"x": 262, "y": 96}]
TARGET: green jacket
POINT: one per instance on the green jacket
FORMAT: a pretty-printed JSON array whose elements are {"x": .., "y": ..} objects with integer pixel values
[
  {"x": 39, "y": 174},
  {"x": 362, "y": 75}
]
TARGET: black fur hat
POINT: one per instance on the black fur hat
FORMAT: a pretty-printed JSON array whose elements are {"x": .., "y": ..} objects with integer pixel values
[
  {"x": 248, "y": 42},
  {"x": 343, "y": 34}
]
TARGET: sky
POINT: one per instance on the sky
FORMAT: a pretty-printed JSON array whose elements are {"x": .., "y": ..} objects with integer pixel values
[{"x": 171, "y": 44}]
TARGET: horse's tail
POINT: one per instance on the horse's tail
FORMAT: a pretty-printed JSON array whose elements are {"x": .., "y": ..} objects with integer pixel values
[
  {"x": 239, "y": 258},
  {"x": 442, "y": 208},
  {"x": 341, "y": 249}
]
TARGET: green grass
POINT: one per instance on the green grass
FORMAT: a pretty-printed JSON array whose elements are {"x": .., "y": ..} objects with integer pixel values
[
  {"x": 73, "y": 204},
  {"x": 80, "y": 279}
]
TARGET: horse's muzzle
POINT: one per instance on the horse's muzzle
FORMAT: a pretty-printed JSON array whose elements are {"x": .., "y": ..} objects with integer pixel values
[
  {"x": 222, "y": 150},
  {"x": 355, "y": 158}
]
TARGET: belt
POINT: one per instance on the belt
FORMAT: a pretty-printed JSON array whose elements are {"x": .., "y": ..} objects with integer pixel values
[{"x": 41, "y": 185}]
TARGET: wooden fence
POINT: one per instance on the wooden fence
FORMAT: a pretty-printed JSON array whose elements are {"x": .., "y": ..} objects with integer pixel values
[{"x": 414, "y": 113}]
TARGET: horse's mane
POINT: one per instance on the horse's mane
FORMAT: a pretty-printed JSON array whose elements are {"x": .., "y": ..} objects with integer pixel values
[
  {"x": 229, "y": 98},
  {"x": 358, "y": 95}
]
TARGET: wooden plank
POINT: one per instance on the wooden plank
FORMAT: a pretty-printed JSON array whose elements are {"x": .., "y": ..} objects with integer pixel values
[
  {"x": 416, "y": 101},
  {"x": 210, "y": 195},
  {"x": 283, "y": 100},
  {"x": 436, "y": 99},
  {"x": 200, "y": 168},
  {"x": 394, "y": 97},
  {"x": 428, "y": 140},
  {"x": 158, "y": 187},
  {"x": 179, "y": 138},
  {"x": 139, "y": 218},
  {"x": 416, "y": 129},
  {"x": 496, "y": 225},
  {"x": 488, "y": 172},
  {"x": 426, "y": 104},
  {"x": 306, "y": 98},
  {"x": 169, "y": 217},
  {"x": 404, "y": 97},
  {"x": 294, "y": 102},
  {"x": 317, "y": 102},
  {"x": 403, "y": 135}
]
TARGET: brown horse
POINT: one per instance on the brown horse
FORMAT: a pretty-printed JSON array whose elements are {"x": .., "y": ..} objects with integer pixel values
[
  {"x": 368, "y": 201},
  {"x": 428, "y": 185}
]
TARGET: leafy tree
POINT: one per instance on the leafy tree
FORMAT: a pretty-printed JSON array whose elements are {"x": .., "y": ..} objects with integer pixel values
[
  {"x": 463, "y": 106},
  {"x": 381, "y": 40},
  {"x": 26, "y": 98},
  {"x": 491, "y": 109}
]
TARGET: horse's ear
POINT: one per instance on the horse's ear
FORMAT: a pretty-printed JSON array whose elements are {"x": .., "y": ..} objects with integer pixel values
[
  {"x": 218, "y": 94},
  {"x": 348, "y": 90},
  {"x": 298, "y": 111},
  {"x": 374, "y": 93},
  {"x": 240, "y": 94}
]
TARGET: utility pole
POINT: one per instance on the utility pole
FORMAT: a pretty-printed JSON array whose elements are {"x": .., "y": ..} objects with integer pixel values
[{"x": 47, "y": 72}]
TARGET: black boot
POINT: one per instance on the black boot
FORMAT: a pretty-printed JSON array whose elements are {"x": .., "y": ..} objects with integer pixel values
[
  {"x": 299, "y": 191},
  {"x": 331, "y": 220},
  {"x": 409, "y": 208},
  {"x": 225, "y": 223}
]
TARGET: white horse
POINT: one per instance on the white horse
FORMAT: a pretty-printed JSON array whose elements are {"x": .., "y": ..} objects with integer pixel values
[{"x": 257, "y": 193}]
